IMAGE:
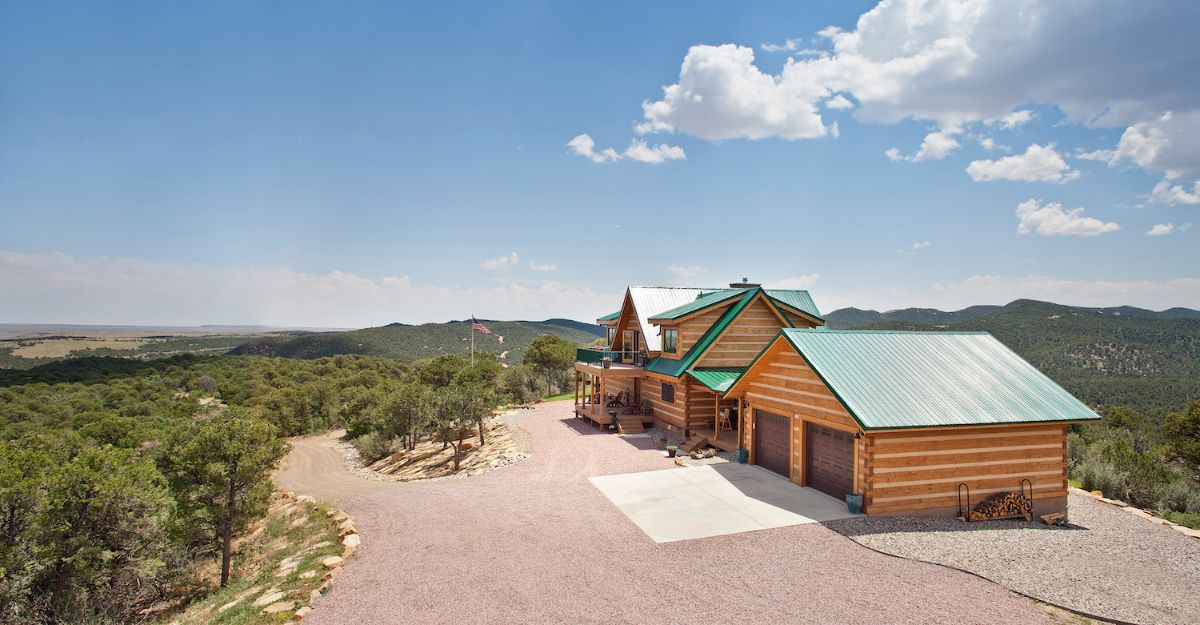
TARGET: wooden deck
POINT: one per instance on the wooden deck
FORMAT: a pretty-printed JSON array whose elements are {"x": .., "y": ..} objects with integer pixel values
[
  {"x": 599, "y": 414},
  {"x": 726, "y": 442}
]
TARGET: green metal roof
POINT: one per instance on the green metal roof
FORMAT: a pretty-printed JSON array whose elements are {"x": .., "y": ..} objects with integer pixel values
[
  {"x": 610, "y": 317},
  {"x": 717, "y": 379},
  {"x": 665, "y": 366},
  {"x": 799, "y": 300},
  {"x": 893, "y": 379},
  {"x": 700, "y": 303}
]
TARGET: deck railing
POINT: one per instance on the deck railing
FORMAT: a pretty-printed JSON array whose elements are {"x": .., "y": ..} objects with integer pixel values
[{"x": 594, "y": 356}]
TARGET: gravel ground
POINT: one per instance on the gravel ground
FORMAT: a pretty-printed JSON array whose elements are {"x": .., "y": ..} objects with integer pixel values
[
  {"x": 535, "y": 542},
  {"x": 1108, "y": 562}
]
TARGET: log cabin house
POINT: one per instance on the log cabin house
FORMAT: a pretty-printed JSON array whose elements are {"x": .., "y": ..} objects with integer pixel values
[{"x": 915, "y": 422}]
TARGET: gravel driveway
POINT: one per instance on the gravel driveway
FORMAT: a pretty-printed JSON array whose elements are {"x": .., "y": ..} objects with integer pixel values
[
  {"x": 1108, "y": 562},
  {"x": 536, "y": 542}
]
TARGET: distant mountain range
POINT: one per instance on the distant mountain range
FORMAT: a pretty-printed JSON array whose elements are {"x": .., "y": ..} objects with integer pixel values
[
  {"x": 1124, "y": 355},
  {"x": 408, "y": 342}
]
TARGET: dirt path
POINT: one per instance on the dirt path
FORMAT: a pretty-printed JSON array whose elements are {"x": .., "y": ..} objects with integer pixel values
[{"x": 535, "y": 542}]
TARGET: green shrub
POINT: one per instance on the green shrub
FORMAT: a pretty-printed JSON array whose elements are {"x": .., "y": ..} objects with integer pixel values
[
  {"x": 1096, "y": 474},
  {"x": 1175, "y": 495},
  {"x": 1186, "y": 519},
  {"x": 373, "y": 447}
]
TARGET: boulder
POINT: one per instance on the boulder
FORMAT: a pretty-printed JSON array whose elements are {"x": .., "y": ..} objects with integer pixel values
[
  {"x": 306, "y": 499},
  {"x": 308, "y": 574},
  {"x": 331, "y": 562},
  {"x": 271, "y": 596},
  {"x": 301, "y": 613},
  {"x": 352, "y": 540},
  {"x": 314, "y": 595},
  {"x": 332, "y": 573},
  {"x": 282, "y": 606}
]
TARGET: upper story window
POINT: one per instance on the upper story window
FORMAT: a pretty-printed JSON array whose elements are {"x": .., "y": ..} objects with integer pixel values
[
  {"x": 612, "y": 334},
  {"x": 670, "y": 340}
]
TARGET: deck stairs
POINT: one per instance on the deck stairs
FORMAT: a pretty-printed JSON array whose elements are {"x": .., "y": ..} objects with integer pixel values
[
  {"x": 696, "y": 441},
  {"x": 630, "y": 424}
]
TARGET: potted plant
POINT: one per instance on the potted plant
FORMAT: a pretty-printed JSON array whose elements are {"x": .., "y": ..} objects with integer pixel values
[
  {"x": 612, "y": 414},
  {"x": 606, "y": 362},
  {"x": 854, "y": 503},
  {"x": 743, "y": 455},
  {"x": 671, "y": 449},
  {"x": 663, "y": 442},
  {"x": 647, "y": 407}
]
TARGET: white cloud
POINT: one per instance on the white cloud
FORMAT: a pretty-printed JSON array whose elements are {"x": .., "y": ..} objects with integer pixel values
[
  {"x": 1052, "y": 221},
  {"x": 686, "y": 272},
  {"x": 1161, "y": 229},
  {"x": 1166, "y": 193},
  {"x": 501, "y": 262},
  {"x": 796, "y": 282},
  {"x": 583, "y": 145},
  {"x": 936, "y": 146},
  {"x": 791, "y": 45},
  {"x": 56, "y": 288},
  {"x": 838, "y": 102},
  {"x": 547, "y": 267},
  {"x": 1037, "y": 164},
  {"x": 642, "y": 153},
  {"x": 958, "y": 63},
  {"x": 921, "y": 245},
  {"x": 721, "y": 94},
  {"x": 1185, "y": 227},
  {"x": 987, "y": 143},
  {"x": 1013, "y": 119}
]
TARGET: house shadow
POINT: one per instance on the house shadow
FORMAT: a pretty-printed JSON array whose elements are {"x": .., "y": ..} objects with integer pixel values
[{"x": 869, "y": 525}]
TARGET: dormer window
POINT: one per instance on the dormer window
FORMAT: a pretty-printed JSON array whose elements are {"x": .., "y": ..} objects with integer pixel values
[{"x": 670, "y": 340}]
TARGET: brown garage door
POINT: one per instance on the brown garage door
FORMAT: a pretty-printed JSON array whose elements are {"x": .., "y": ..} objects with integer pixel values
[
  {"x": 829, "y": 460},
  {"x": 771, "y": 448}
]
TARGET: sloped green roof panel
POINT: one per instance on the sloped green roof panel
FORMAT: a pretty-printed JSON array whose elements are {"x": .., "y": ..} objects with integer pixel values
[
  {"x": 800, "y": 300},
  {"x": 610, "y": 317},
  {"x": 700, "y": 303},
  {"x": 666, "y": 366},
  {"x": 893, "y": 380},
  {"x": 717, "y": 379}
]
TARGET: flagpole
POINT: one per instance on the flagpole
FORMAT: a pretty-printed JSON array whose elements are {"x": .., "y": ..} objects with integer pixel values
[{"x": 472, "y": 331}]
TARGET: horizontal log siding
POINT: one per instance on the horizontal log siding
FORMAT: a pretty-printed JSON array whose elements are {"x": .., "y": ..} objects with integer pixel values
[
  {"x": 673, "y": 413},
  {"x": 744, "y": 339},
  {"x": 784, "y": 384},
  {"x": 692, "y": 329},
  {"x": 918, "y": 469}
]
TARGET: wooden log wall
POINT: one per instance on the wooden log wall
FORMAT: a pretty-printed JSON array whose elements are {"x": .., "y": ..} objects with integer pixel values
[
  {"x": 672, "y": 414},
  {"x": 919, "y": 469},
  {"x": 744, "y": 338},
  {"x": 692, "y": 328}
]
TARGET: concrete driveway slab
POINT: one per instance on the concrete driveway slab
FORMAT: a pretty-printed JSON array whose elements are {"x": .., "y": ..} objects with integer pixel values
[{"x": 714, "y": 500}]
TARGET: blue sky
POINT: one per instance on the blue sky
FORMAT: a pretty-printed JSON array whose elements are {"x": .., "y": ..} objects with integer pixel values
[{"x": 362, "y": 163}]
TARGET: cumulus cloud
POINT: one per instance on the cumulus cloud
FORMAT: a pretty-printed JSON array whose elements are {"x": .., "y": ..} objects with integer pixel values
[
  {"x": 796, "y": 282},
  {"x": 921, "y": 245},
  {"x": 583, "y": 145},
  {"x": 686, "y": 272},
  {"x": 57, "y": 288},
  {"x": 838, "y": 102},
  {"x": 936, "y": 146},
  {"x": 547, "y": 267},
  {"x": 791, "y": 45},
  {"x": 1037, "y": 164},
  {"x": 1167, "y": 193},
  {"x": 501, "y": 262},
  {"x": 958, "y": 63},
  {"x": 1052, "y": 221},
  {"x": 1161, "y": 229}
]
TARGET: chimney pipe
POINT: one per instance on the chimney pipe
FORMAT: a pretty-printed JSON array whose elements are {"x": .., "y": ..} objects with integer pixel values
[{"x": 744, "y": 284}]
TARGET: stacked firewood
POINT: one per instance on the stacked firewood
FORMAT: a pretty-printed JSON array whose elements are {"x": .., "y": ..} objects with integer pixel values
[{"x": 1002, "y": 506}]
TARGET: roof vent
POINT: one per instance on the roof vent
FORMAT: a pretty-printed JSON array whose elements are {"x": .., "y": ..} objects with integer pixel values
[{"x": 744, "y": 284}]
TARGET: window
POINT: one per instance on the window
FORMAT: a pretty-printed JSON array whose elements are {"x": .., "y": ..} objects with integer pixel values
[
  {"x": 668, "y": 392},
  {"x": 670, "y": 340},
  {"x": 612, "y": 335}
]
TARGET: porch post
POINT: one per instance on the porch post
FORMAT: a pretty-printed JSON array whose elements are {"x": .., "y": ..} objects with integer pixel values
[
  {"x": 716, "y": 416},
  {"x": 741, "y": 441},
  {"x": 577, "y": 374}
]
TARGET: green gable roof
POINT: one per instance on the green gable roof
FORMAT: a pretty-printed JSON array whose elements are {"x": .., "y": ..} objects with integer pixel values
[
  {"x": 676, "y": 367},
  {"x": 610, "y": 317},
  {"x": 717, "y": 379},
  {"x": 892, "y": 379},
  {"x": 700, "y": 303},
  {"x": 797, "y": 299}
]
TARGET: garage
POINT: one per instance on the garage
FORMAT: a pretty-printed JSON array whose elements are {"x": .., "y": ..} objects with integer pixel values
[
  {"x": 772, "y": 450},
  {"x": 829, "y": 460}
]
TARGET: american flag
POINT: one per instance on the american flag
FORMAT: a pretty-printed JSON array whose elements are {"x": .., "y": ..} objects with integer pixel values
[{"x": 479, "y": 327}]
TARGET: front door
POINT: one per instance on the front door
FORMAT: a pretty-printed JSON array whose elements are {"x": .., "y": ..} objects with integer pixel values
[{"x": 772, "y": 442}]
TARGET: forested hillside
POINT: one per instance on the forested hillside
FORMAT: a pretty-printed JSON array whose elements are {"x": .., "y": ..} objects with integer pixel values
[
  {"x": 1126, "y": 356},
  {"x": 509, "y": 340}
]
